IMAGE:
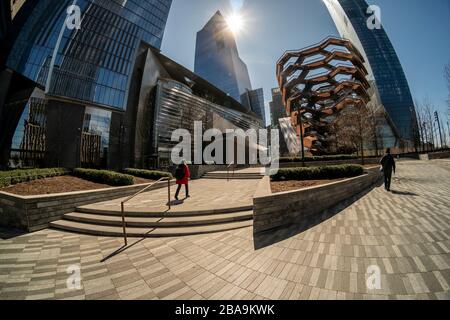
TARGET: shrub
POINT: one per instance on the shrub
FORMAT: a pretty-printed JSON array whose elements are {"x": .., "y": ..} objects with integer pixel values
[
  {"x": 12, "y": 177},
  {"x": 319, "y": 173},
  {"x": 106, "y": 177},
  {"x": 148, "y": 174}
]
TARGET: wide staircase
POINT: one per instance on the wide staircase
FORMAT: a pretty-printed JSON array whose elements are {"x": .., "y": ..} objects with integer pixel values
[
  {"x": 215, "y": 206},
  {"x": 152, "y": 224}
]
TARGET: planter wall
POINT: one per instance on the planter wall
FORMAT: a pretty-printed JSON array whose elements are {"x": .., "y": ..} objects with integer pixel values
[
  {"x": 368, "y": 161},
  {"x": 439, "y": 155},
  {"x": 33, "y": 213}
]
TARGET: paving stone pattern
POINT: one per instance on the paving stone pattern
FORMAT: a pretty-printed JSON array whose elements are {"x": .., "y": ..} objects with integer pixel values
[{"x": 405, "y": 233}]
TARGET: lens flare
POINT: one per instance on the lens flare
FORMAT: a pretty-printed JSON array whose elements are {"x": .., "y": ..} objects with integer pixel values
[{"x": 235, "y": 23}]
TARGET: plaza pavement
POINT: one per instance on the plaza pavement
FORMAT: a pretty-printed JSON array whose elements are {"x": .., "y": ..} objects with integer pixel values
[
  {"x": 405, "y": 233},
  {"x": 206, "y": 195}
]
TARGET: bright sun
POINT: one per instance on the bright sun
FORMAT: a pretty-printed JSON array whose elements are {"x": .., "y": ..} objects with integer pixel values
[{"x": 235, "y": 23}]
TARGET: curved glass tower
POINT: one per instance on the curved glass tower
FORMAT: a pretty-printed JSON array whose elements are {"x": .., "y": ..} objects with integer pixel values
[{"x": 390, "y": 89}]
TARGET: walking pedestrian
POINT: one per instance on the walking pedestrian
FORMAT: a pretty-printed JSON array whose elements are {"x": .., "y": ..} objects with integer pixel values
[
  {"x": 388, "y": 166},
  {"x": 182, "y": 174}
]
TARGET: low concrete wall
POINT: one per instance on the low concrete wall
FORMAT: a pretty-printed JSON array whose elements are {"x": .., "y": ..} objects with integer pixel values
[
  {"x": 439, "y": 155},
  {"x": 33, "y": 213},
  {"x": 368, "y": 161},
  {"x": 273, "y": 211},
  {"x": 435, "y": 155}
]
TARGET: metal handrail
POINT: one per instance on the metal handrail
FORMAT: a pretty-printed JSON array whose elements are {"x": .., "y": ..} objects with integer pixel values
[
  {"x": 122, "y": 204},
  {"x": 228, "y": 170}
]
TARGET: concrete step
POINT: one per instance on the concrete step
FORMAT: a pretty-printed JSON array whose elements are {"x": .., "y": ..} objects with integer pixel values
[
  {"x": 163, "y": 213},
  {"x": 236, "y": 173},
  {"x": 168, "y": 221},
  {"x": 232, "y": 178},
  {"x": 114, "y": 231},
  {"x": 236, "y": 176}
]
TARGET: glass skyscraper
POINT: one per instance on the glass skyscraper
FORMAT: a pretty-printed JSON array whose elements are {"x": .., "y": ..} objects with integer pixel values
[
  {"x": 254, "y": 100},
  {"x": 93, "y": 63},
  {"x": 78, "y": 79},
  {"x": 217, "y": 58},
  {"x": 390, "y": 89},
  {"x": 277, "y": 109}
]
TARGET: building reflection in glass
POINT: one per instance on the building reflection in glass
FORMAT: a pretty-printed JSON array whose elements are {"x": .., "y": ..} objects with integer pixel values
[{"x": 95, "y": 137}]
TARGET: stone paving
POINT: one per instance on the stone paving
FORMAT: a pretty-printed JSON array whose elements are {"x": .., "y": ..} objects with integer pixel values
[
  {"x": 405, "y": 233},
  {"x": 206, "y": 195}
]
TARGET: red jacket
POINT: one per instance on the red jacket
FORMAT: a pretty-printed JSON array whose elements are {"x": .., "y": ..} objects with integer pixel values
[{"x": 187, "y": 175}]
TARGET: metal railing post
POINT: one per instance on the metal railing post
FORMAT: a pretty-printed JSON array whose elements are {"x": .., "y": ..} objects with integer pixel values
[
  {"x": 135, "y": 195},
  {"x": 168, "y": 192},
  {"x": 124, "y": 224},
  {"x": 228, "y": 171}
]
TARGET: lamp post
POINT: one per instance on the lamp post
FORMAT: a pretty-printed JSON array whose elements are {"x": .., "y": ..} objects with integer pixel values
[
  {"x": 302, "y": 143},
  {"x": 426, "y": 135}
]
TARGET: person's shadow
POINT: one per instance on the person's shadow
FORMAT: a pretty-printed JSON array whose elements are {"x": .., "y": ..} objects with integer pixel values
[
  {"x": 176, "y": 202},
  {"x": 404, "y": 193}
]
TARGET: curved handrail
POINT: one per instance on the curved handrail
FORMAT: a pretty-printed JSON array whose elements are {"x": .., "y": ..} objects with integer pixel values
[
  {"x": 122, "y": 204},
  {"x": 228, "y": 170},
  {"x": 143, "y": 190}
]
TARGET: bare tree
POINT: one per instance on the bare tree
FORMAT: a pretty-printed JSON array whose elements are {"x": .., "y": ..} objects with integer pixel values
[
  {"x": 428, "y": 126},
  {"x": 356, "y": 129}
]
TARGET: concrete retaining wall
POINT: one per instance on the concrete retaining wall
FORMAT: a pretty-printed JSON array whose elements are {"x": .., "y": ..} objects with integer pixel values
[
  {"x": 368, "y": 161},
  {"x": 439, "y": 155},
  {"x": 33, "y": 213},
  {"x": 273, "y": 211}
]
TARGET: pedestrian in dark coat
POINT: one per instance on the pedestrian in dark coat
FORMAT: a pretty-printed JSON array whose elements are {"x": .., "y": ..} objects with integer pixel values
[
  {"x": 388, "y": 166},
  {"x": 183, "y": 179}
]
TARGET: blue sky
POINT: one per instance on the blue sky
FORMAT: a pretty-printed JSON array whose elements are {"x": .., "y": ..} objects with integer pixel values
[{"x": 419, "y": 31}]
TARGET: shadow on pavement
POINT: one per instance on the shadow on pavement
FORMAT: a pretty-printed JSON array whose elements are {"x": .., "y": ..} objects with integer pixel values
[
  {"x": 274, "y": 236},
  {"x": 403, "y": 193},
  {"x": 124, "y": 248},
  {"x": 176, "y": 202},
  {"x": 8, "y": 233}
]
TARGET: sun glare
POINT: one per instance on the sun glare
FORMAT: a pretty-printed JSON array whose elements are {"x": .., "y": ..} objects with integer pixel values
[{"x": 235, "y": 23}]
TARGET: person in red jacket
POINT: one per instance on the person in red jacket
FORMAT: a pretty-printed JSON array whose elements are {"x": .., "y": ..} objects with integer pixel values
[{"x": 183, "y": 174}]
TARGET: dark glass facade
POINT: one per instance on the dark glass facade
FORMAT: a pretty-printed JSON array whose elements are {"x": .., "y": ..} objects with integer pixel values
[
  {"x": 81, "y": 76},
  {"x": 29, "y": 144},
  {"x": 95, "y": 137},
  {"x": 351, "y": 19},
  {"x": 217, "y": 58},
  {"x": 277, "y": 109},
  {"x": 5, "y": 18},
  {"x": 254, "y": 100},
  {"x": 92, "y": 64}
]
